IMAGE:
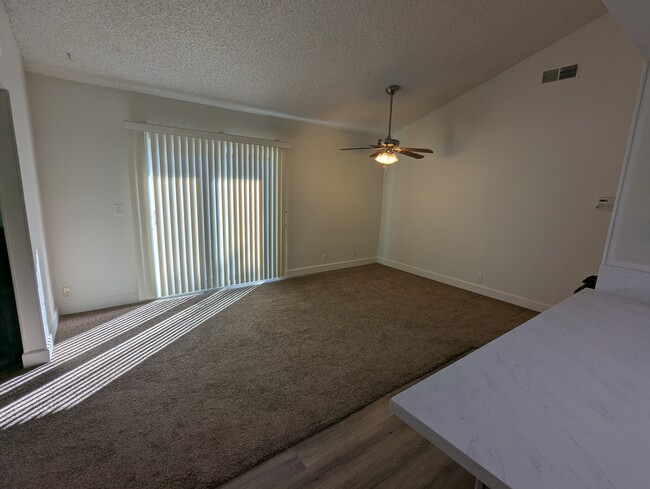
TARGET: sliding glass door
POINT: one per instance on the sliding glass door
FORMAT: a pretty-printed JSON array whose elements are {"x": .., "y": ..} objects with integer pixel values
[{"x": 215, "y": 212}]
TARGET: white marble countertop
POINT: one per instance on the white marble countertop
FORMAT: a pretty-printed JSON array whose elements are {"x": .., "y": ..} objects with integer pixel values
[{"x": 561, "y": 402}]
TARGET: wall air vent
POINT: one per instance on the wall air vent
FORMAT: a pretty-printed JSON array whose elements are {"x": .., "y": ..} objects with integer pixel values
[
  {"x": 563, "y": 73},
  {"x": 550, "y": 75},
  {"x": 570, "y": 71}
]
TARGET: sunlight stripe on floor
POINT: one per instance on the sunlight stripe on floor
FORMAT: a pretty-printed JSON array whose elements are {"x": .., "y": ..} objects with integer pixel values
[
  {"x": 84, "y": 342},
  {"x": 82, "y": 382}
]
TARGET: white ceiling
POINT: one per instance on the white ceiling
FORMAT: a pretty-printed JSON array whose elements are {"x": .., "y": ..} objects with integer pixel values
[{"x": 320, "y": 60}]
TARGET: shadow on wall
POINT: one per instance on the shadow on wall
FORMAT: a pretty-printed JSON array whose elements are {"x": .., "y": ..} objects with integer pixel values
[{"x": 452, "y": 128}]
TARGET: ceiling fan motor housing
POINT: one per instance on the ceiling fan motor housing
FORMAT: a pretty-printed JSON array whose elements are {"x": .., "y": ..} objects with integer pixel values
[{"x": 388, "y": 142}]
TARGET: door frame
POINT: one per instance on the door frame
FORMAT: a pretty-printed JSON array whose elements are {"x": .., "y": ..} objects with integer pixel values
[{"x": 23, "y": 258}]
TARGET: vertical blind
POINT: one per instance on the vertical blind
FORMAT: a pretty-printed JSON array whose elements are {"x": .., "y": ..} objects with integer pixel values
[{"x": 215, "y": 212}]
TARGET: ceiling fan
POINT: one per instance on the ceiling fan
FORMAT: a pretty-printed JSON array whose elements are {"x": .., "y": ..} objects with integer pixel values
[{"x": 386, "y": 149}]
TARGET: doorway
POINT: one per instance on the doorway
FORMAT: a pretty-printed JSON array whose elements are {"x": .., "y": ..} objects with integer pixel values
[
  {"x": 19, "y": 289},
  {"x": 11, "y": 347}
]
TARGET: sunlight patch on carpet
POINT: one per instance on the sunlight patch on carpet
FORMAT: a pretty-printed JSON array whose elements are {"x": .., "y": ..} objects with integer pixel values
[
  {"x": 82, "y": 382},
  {"x": 84, "y": 342}
]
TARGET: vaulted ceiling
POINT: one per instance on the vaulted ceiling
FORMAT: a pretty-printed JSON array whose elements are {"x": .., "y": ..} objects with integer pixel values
[{"x": 318, "y": 60}]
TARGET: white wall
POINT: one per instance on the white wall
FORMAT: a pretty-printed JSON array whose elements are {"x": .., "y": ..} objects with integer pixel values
[
  {"x": 626, "y": 262},
  {"x": 83, "y": 153},
  {"x": 519, "y": 166},
  {"x": 631, "y": 228},
  {"x": 21, "y": 207}
]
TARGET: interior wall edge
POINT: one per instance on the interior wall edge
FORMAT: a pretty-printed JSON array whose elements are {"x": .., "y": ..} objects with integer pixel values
[
  {"x": 36, "y": 325},
  {"x": 626, "y": 159}
]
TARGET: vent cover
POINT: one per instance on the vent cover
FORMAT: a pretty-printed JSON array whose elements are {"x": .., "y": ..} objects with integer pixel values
[
  {"x": 563, "y": 73},
  {"x": 550, "y": 75},
  {"x": 568, "y": 72}
]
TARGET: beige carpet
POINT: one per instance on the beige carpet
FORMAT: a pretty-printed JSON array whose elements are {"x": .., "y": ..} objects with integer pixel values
[{"x": 287, "y": 360}]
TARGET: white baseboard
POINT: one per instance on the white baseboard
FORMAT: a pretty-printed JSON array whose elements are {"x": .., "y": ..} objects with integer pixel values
[
  {"x": 462, "y": 284},
  {"x": 71, "y": 306},
  {"x": 36, "y": 357},
  {"x": 327, "y": 267}
]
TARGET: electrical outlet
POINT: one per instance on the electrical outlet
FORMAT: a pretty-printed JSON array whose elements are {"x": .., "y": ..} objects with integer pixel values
[
  {"x": 354, "y": 253},
  {"x": 67, "y": 291},
  {"x": 479, "y": 278},
  {"x": 323, "y": 258}
]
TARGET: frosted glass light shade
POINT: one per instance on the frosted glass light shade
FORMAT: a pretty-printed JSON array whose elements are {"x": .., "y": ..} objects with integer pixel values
[{"x": 386, "y": 158}]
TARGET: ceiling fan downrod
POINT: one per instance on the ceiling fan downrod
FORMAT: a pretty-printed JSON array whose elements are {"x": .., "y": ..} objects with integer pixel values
[
  {"x": 387, "y": 149},
  {"x": 391, "y": 90}
]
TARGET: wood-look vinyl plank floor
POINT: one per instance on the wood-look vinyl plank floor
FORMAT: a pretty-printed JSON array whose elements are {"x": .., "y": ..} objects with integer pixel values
[{"x": 372, "y": 448}]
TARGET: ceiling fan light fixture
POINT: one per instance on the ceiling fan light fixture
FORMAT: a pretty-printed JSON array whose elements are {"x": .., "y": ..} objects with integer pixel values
[
  {"x": 386, "y": 158},
  {"x": 385, "y": 149}
]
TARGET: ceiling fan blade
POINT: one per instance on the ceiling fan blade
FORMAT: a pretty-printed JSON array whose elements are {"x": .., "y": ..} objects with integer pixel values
[
  {"x": 417, "y": 150},
  {"x": 348, "y": 149},
  {"x": 402, "y": 151},
  {"x": 375, "y": 154}
]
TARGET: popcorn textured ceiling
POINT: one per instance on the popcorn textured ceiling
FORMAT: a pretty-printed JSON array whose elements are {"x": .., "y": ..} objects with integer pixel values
[{"x": 315, "y": 60}]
